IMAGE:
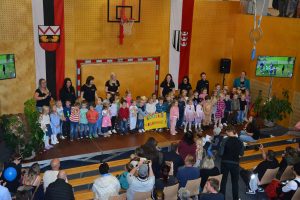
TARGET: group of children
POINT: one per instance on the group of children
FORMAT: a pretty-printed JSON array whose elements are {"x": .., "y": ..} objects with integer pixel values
[{"x": 115, "y": 114}]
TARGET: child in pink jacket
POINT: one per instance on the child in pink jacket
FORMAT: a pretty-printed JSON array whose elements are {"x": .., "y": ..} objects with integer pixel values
[{"x": 174, "y": 116}]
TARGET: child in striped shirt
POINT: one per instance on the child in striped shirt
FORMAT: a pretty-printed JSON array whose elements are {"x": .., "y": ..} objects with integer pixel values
[{"x": 74, "y": 120}]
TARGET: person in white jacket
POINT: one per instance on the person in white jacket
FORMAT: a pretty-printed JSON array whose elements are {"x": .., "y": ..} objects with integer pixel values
[{"x": 106, "y": 185}]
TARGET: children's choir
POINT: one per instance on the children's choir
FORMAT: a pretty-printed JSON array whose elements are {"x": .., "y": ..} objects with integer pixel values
[{"x": 115, "y": 115}]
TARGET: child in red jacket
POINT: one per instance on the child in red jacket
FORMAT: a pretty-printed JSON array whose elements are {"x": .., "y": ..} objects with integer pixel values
[
  {"x": 123, "y": 117},
  {"x": 92, "y": 117}
]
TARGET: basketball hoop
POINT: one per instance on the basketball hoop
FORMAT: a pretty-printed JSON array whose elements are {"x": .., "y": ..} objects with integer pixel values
[{"x": 127, "y": 26}]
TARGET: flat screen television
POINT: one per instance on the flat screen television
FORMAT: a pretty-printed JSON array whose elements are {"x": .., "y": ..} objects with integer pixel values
[
  {"x": 7, "y": 66},
  {"x": 275, "y": 66}
]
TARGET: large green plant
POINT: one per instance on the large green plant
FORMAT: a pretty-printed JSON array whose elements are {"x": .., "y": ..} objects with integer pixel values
[
  {"x": 14, "y": 132},
  {"x": 36, "y": 133},
  {"x": 22, "y": 133},
  {"x": 273, "y": 109}
]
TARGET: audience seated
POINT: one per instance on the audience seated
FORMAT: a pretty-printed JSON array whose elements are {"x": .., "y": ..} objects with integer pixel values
[
  {"x": 188, "y": 172},
  {"x": 32, "y": 183},
  {"x": 252, "y": 178},
  {"x": 291, "y": 187},
  {"x": 290, "y": 157},
  {"x": 32, "y": 177},
  {"x": 250, "y": 133},
  {"x": 51, "y": 175},
  {"x": 59, "y": 189},
  {"x": 166, "y": 180},
  {"x": 15, "y": 162},
  {"x": 187, "y": 146},
  {"x": 173, "y": 156},
  {"x": 123, "y": 177},
  {"x": 106, "y": 185},
  {"x": 4, "y": 192},
  {"x": 208, "y": 169},
  {"x": 212, "y": 187},
  {"x": 143, "y": 181}
]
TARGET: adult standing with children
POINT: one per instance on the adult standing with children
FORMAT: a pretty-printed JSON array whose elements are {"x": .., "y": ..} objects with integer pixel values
[
  {"x": 88, "y": 90},
  {"x": 202, "y": 83},
  {"x": 112, "y": 85},
  {"x": 185, "y": 85},
  {"x": 167, "y": 85},
  {"x": 42, "y": 95},
  {"x": 242, "y": 82},
  {"x": 67, "y": 92}
]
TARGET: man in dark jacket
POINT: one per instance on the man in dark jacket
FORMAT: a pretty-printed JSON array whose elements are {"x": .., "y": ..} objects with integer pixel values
[
  {"x": 230, "y": 151},
  {"x": 59, "y": 189}
]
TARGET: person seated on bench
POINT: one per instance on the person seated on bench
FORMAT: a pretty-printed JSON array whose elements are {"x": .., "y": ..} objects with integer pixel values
[
  {"x": 252, "y": 178},
  {"x": 208, "y": 169},
  {"x": 166, "y": 178},
  {"x": 212, "y": 187},
  {"x": 289, "y": 157},
  {"x": 106, "y": 185},
  {"x": 250, "y": 133},
  {"x": 291, "y": 187},
  {"x": 188, "y": 172}
]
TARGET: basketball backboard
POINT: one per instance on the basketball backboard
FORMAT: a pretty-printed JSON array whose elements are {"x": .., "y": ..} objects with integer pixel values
[{"x": 131, "y": 9}]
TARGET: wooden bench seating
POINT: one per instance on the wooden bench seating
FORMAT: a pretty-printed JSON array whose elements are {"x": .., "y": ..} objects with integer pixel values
[
  {"x": 273, "y": 139},
  {"x": 94, "y": 167},
  {"x": 84, "y": 195},
  {"x": 274, "y": 148},
  {"x": 250, "y": 164}
]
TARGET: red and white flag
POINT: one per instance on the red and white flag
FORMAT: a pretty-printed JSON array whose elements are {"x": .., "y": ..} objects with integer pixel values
[
  {"x": 181, "y": 22},
  {"x": 49, "y": 42}
]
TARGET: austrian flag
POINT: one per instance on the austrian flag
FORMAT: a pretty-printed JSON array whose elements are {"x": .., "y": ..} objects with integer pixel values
[
  {"x": 49, "y": 42},
  {"x": 181, "y": 22}
]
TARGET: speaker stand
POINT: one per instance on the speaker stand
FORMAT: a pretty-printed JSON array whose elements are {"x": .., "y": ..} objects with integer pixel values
[{"x": 223, "y": 79}]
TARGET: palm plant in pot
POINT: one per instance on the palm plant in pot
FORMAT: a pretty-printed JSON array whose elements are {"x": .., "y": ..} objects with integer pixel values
[{"x": 273, "y": 109}]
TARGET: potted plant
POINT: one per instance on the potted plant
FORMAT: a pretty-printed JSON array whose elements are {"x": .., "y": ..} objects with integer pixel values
[
  {"x": 273, "y": 109},
  {"x": 22, "y": 132}
]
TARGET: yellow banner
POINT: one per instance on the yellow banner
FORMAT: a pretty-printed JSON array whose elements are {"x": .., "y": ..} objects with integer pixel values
[{"x": 155, "y": 121}]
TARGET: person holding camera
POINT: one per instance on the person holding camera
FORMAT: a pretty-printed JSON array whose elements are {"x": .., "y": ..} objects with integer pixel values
[
  {"x": 252, "y": 178},
  {"x": 143, "y": 182}
]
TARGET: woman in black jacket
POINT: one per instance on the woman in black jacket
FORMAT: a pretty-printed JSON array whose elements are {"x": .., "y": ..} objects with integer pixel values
[{"x": 67, "y": 92}]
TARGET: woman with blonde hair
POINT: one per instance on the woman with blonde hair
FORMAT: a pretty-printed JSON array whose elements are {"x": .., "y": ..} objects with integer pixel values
[
  {"x": 199, "y": 152},
  {"x": 112, "y": 85},
  {"x": 32, "y": 177},
  {"x": 42, "y": 95},
  {"x": 208, "y": 169}
]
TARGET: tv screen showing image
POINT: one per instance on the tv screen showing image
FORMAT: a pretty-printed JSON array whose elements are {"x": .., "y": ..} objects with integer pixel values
[
  {"x": 275, "y": 66},
  {"x": 7, "y": 66}
]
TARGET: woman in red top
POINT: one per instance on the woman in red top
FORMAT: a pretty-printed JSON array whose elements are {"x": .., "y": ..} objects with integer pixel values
[
  {"x": 123, "y": 117},
  {"x": 187, "y": 146},
  {"x": 92, "y": 117}
]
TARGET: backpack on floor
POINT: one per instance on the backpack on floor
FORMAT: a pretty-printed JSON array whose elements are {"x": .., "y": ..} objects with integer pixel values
[{"x": 271, "y": 189}]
